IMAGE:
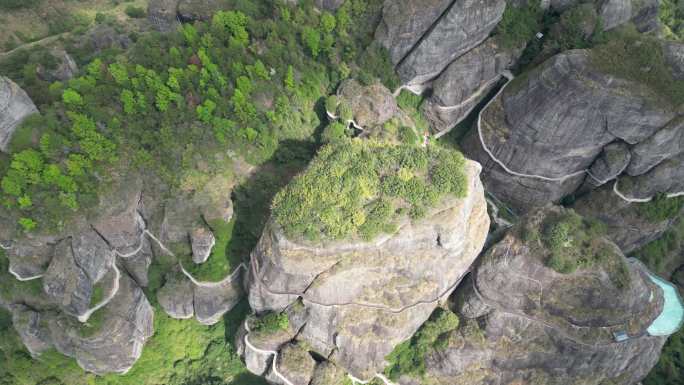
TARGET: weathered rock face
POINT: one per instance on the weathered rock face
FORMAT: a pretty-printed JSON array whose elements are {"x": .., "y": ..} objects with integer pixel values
[
  {"x": 15, "y": 106},
  {"x": 87, "y": 306},
  {"x": 461, "y": 28},
  {"x": 363, "y": 298},
  {"x": 523, "y": 322},
  {"x": 127, "y": 324},
  {"x": 202, "y": 241},
  {"x": 181, "y": 225},
  {"x": 424, "y": 38},
  {"x": 465, "y": 82},
  {"x": 404, "y": 22},
  {"x": 538, "y": 138}
]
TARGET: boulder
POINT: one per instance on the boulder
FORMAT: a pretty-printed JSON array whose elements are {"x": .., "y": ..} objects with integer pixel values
[
  {"x": 29, "y": 325},
  {"x": 176, "y": 297},
  {"x": 215, "y": 300},
  {"x": 546, "y": 327},
  {"x": 182, "y": 298},
  {"x": 296, "y": 364},
  {"x": 667, "y": 143},
  {"x": 674, "y": 56},
  {"x": 665, "y": 178},
  {"x": 327, "y": 373},
  {"x": 115, "y": 344},
  {"x": 538, "y": 137},
  {"x": 371, "y": 106},
  {"x": 15, "y": 106},
  {"x": 202, "y": 241},
  {"x": 66, "y": 282},
  {"x": 362, "y": 298},
  {"x": 613, "y": 160}
]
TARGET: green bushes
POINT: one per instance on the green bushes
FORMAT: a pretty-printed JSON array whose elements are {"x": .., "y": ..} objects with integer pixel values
[
  {"x": 630, "y": 55},
  {"x": 135, "y": 12},
  {"x": 670, "y": 367},
  {"x": 657, "y": 254},
  {"x": 16, "y": 4},
  {"x": 271, "y": 323},
  {"x": 357, "y": 188},
  {"x": 672, "y": 18},
  {"x": 660, "y": 208},
  {"x": 408, "y": 358},
  {"x": 519, "y": 24},
  {"x": 577, "y": 243}
]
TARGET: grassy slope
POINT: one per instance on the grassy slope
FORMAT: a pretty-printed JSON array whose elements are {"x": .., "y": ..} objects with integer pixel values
[{"x": 25, "y": 25}]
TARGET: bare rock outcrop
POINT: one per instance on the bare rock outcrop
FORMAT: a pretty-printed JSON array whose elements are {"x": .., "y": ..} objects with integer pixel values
[
  {"x": 566, "y": 122},
  {"x": 363, "y": 298},
  {"x": 83, "y": 302},
  {"x": 424, "y": 38},
  {"x": 15, "y": 106},
  {"x": 536, "y": 325},
  {"x": 466, "y": 82}
]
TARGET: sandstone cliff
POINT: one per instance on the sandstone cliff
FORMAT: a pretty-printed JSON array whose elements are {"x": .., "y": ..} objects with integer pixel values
[{"x": 362, "y": 298}]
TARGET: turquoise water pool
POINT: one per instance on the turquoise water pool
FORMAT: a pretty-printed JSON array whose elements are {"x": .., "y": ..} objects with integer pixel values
[{"x": 672, "y": 317}]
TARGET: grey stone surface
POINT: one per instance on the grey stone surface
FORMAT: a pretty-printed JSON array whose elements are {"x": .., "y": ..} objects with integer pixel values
[
  {"x": 674, "y": 55},
  {"x": 118, "y": 343},
  {"x": 612, "y": 161},
  {"x": 202, "y": 241},
  {"x": 667, "y": 143},
  {"x": 666, "y": 178},
  {"x": 176, "y": 297},
  {"x": 198, "y": 10},
  {"x": 66, "y": 283},
  {"x": 212, "y": 302},
  {"x": 465, "y": 83},
  {"x": 327, "y": 373},
  {"x": 463, "y": 27},
  {"x": 404, "y": 22},
  {"x": 28, "y": 324},
  {"x": 554, "y": 122},
  {"x": 15, "y": 106}
]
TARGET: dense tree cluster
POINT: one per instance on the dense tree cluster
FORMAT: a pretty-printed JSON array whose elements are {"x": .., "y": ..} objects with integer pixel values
[
  {"x": 238, "y": 82},
  {"x": 357, "y": 188}
]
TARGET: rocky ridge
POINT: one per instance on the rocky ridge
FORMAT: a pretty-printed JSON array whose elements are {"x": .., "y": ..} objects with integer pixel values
[
  {"x": 521, "y": 321},
  {"x": 346, "y": 325}
]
